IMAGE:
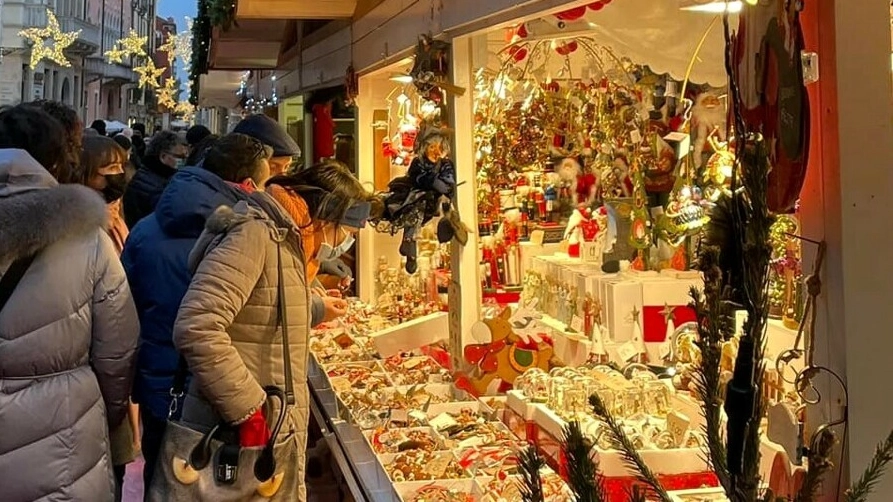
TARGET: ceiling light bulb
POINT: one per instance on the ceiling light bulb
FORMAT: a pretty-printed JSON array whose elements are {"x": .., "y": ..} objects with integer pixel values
[{"x": 714, "y": 7}]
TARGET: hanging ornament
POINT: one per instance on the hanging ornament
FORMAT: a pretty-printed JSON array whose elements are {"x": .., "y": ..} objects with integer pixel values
[
  {"x": 49, "y": 42},
  {"x": 571, "y": 14},
  {"x": 131, "y": 45},
  {"x": 149, "y": 74},
  {"x": 167, "y": 94}
]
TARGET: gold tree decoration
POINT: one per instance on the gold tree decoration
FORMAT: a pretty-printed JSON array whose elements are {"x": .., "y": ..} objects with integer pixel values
[
  {"x": 149, "y": 74},
  {"x": 49, "y": 42},
  {"x": 131, "y": 45},
  {"x": 167, "y": 94}
]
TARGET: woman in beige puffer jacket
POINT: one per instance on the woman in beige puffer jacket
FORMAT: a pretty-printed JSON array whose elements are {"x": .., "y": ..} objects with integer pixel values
[
  {"x": 67, "y": 339},
  {"x": 227, "y": 327}
]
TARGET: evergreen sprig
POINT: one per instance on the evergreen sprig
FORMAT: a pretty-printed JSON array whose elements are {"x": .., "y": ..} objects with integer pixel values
[
  {"x": 583, "y": 476},
  {"x": 530, "y": 463},
  {"x": 631, "y": 457},
  {"x": 883, "y": 455}
]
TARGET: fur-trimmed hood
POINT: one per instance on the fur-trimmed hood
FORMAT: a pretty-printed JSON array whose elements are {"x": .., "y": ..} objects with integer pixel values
[{"x": 35, "y": 211}]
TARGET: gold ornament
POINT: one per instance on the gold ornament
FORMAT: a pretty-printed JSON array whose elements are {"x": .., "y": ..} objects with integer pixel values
[
  {"x": 149, "y": 74},
  {"x": 131, "y": 45},
  {"x": 167, "y": 94},
  {"x": 49, "y": 42}
]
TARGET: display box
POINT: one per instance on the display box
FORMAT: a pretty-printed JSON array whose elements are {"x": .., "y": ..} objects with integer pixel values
[
  {"x": 518, "y": 416},
  {"x": 664, "y": 298},
  {"x": 411, "y": 335},
  {"x": 413, "y": 491},
  {"x": 623, "y": 302},
  {"x": 680, "y": 468}
]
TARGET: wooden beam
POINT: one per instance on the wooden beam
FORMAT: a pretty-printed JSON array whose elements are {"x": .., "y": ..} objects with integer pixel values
[
  {"x": 364, "y": 7},
  {"x": 292, "y": 9}
]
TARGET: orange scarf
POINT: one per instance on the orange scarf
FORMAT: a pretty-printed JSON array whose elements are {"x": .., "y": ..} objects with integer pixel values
[
  {"x": 297, "y": 208},
  {"x": 117, "y": 228}
]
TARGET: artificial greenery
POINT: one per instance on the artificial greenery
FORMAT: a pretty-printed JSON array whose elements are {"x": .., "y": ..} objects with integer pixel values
[
  {"x": 530, "y": 464},
  {"x": 583, "y": 477},
  {"x": 201, "y": 42},
  {"x": 872, "y": 475},
  {"x": 628, "y": 451},
  {"x": 222, "y": 13}
]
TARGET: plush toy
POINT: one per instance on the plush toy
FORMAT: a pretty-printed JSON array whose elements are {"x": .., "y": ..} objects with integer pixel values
[{"x": 425, "y": 192}]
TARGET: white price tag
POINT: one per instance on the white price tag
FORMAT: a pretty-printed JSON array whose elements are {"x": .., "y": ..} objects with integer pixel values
[
  {"x": 442, "y": 421},
  {"x": 627, "y": 352},
  {"x": 577, "y": 324},
  {"x": 635, "y": 136}
]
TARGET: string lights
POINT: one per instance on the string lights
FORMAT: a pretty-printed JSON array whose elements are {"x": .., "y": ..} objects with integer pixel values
[
  {"x": 131, "y": 45},
  {"x": 49, "y": 42},
  {"x": 149, "y": 74}
]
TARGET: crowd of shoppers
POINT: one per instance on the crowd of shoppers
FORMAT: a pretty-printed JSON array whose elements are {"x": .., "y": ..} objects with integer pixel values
[{"x": 203, "y": 252}]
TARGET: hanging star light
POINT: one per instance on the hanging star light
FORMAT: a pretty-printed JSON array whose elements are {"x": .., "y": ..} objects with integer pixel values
[
  {"x": 167, "y": 94},
  {"x": 149, "y": 74},
  {"x": 131, "y": 45},
  {"x": 185, "y": 109},
  {"x": 49, "y": 42}
]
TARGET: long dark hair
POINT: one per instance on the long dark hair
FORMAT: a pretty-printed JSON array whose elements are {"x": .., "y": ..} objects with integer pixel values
[
  {"x": 31, "y": 129},
  {"x": 329, "y": 188},
  {"x": 99, "y": 151}
]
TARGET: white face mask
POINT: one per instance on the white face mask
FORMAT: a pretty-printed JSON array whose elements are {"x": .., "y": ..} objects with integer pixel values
[{"x": 327, "y": 252}]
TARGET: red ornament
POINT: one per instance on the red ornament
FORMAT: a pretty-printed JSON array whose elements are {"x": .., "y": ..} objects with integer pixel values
[
  {"x": 517, "y": 53},
  {"x": 567, "y": 48},
  {"x": 522, "y": 30},
  {"x": 571, "y": 14},
  {"x": 596, "y": 6}
]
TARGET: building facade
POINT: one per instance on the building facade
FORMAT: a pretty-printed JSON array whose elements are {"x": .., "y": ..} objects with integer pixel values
[{"x": 91, "y": 85}]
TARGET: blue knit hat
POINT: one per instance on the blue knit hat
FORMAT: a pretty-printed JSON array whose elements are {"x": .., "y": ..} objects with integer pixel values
[{"x": 270, "y": 133}]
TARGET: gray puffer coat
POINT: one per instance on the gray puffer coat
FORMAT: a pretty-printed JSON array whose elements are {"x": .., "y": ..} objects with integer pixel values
[{"x": 67, "y": 339}]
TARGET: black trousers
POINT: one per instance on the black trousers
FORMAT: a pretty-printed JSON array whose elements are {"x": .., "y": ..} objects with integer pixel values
[
  {"x": 153, "y": 432},
  {"x": 119, "y": 471}
]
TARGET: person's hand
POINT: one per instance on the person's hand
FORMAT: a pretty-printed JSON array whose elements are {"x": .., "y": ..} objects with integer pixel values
[
  {"x": 335, "y": 308},
  {"x": 334, "y": 293},
  {"x": 337, "y": 268}
]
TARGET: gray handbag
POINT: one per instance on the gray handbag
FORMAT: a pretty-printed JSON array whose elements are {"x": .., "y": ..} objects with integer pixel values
[{"x": 196, "y": 466}]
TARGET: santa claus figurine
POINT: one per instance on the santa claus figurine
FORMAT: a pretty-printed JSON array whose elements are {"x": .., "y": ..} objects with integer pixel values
[{"x": 585, "y": 225}]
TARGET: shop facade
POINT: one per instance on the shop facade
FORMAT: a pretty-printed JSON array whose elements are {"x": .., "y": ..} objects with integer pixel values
[{"x": 542, "y": 50}]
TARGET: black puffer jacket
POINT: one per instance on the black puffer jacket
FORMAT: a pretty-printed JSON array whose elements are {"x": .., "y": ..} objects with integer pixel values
[{"x": 145, "y": 189}]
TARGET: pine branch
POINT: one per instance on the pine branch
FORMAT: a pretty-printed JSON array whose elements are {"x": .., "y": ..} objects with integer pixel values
[
  {"x": 872, "y": 475},
  {"x": 819, "y": 465},
  {"x": 530, "y": 464},
  {"x": 631, "y": 456},
  {"x": 583, "y": 476},
  {"x": 636, "y": 494}
]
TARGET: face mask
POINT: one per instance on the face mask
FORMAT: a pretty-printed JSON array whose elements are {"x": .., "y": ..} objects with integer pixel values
[
  {"x": 327, "y": 252},
  {"x": 115, "y": 184}
]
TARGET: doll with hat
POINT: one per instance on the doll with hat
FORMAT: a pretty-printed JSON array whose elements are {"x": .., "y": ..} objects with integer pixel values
[{"x": 425, "y": 192}]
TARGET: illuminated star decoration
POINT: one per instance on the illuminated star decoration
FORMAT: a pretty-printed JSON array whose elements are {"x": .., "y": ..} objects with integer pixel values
[
  {"x": 167, "y": 94},
  {"x": 185, "y": 109},
  {"x": 49, "y": 42},
  {"x": 149, "y": 74},
  {"x": 131, "y": 45}
]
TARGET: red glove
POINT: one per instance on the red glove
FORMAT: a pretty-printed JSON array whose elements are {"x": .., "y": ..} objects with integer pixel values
[{"x": 254, "y": 431}]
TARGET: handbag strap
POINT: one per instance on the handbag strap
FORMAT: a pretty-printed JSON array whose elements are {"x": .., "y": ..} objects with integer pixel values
[
  {"x": 178, "y": 386},
  {"x": 283, "y": 325},
  {"x": 12, "y": 277}
]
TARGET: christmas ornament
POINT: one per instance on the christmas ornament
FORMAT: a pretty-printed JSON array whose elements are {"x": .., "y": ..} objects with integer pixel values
[
  {"x": 149, "y": 74},
  {"x": 49, "y": 42}
]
